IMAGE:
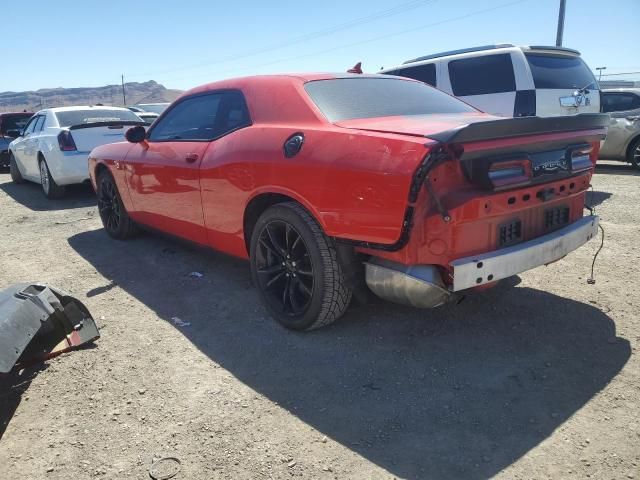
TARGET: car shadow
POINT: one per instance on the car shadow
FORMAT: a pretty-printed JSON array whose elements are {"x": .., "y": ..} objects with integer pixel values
[
  {"x": 461, "y": 391},
  {"x": 30, "y": 195},
  {"x": 596, "y": 197},
  {"x": 621, "y": 168},
  {"x": 13, "y": 386}
]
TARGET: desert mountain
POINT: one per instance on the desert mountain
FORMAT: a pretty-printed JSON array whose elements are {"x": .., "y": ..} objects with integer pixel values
[{"x": 145, "y": 92}]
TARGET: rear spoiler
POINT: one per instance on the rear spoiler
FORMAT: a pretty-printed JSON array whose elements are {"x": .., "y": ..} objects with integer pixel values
[
  {"x": 107, "y": 124},
  {"x": 522, "y": 126}
]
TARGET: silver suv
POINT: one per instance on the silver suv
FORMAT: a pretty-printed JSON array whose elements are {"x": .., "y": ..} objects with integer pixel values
[{"x": 623, "y": 138}]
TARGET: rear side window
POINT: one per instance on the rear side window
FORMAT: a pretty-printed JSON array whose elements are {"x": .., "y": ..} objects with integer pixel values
[
  {"x": 424, "y": 73},
  {"x": 619, "y": 102},
  {"x": 39, "y": 124},
  {"x": 95, "y": 115},
  {"x": 202, "y": 118},
  {"x": 14, "y": 122},
  {"x": 482, "y": 75},
  {"x": 366, "y": 97},
  {"x": 551, "y": 71}
]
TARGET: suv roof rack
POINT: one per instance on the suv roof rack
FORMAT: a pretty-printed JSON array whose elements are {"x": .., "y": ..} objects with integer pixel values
[{"x": 457, "y": 52}]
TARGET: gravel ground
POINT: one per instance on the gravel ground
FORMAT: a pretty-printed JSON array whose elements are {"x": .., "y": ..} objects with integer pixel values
[{"x": 536, "y": 378}]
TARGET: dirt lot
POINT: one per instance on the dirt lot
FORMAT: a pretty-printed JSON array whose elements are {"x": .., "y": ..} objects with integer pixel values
[{"x": 537, "y": 378}]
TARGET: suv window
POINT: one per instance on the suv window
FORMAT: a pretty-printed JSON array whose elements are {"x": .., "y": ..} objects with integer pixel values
[
  {"x": 482, "y": 75},
  {"x": 619, "y": 101},
  {"x": 560, "y": 72},
  {"x": 202, "y": 117},
  {"x": 425, "y": 73},
  {"x": 366, "y": 97},
  {"x": 14, "y": 122}
]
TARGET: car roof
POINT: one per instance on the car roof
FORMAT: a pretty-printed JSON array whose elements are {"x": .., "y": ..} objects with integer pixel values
[
  {"x": 82, "y": 107},
  {"x": 11, "y": 114},
  {"x": 449, "y": 53},
  {"x": 288, "y": 78}
]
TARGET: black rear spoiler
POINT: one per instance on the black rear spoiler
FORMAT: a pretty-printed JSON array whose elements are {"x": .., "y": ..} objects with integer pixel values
[
  {"x": 119, "y": 123},
  {"x": 523, "y": 126}
]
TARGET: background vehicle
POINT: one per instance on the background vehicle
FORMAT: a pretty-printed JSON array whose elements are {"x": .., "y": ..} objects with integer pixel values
[
  {"x": 153, "y": 107},
  {"x": 510, "y": 81},
  {"x": 147, "y": 117},
  {"x": 52, "y": 148},
  {"x": 432, "y": 195},
  {"x": 11, "y": 124},
  {"x": 623, "y": 138}
]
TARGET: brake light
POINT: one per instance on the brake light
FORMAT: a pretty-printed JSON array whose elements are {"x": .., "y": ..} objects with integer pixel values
[
  {"x": 66, "y": 142},
  {"x": 581, "y": 158},
  {"x": 510, "y": 174}
]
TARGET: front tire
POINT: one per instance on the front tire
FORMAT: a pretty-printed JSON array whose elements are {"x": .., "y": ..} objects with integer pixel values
[
  {"x": 634, "y": 154},
  {"x": 16, "y": 176},
  {"x": 114, "y": 216},
  {"x": 295, "y": 267},
  {"x": 50, "y": 188}
]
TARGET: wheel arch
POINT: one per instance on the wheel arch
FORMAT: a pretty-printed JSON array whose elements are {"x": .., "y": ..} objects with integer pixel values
[{"x": 261, "y": 201}]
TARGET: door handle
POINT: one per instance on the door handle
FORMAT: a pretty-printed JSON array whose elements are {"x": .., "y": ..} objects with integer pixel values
[{"x": 191, "y": 157}]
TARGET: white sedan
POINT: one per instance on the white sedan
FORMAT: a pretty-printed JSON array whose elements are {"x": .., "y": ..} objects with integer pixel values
[{"x": 54, "y": 146}]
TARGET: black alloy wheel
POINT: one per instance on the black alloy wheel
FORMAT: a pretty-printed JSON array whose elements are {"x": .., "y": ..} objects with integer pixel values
[
  {"x": 114, "y": 216},
  {"x": 296, "y": 269},
  {"x": 285, "y": 271}
]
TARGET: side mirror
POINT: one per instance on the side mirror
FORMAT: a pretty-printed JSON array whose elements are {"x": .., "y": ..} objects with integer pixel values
[
  {"x": 13, "y": 133},
  {"x": 136, "y": 134}
]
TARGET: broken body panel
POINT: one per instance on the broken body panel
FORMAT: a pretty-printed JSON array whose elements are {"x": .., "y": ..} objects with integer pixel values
[{"x": 38, "y": 322}]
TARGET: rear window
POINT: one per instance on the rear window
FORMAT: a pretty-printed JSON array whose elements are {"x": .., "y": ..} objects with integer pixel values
[
  {"x": 95, "y": 115},
  {"x": 424, "y": 73},
  {"x": 349, "y": 98},
  {"x": 14, "y": 122},
  {"x": 553, "y": 71},
  {"x": 482, "y": 75}
]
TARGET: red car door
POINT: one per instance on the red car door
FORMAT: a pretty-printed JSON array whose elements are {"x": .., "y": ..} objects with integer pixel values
[{"x": 163, "y": 173}]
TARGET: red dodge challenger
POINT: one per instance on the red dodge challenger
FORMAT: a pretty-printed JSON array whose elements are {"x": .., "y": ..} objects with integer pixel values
[{"x": 333, "y": 185}]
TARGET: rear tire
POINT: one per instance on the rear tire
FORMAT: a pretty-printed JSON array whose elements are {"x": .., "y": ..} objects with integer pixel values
[
  {"x": 16, "y": 176},
  {"x": 50, "y": 188},
  {"x": 295, "y": 266},
  {"x": 114, "y": 216},
  {"x": 634, "y": 154}
]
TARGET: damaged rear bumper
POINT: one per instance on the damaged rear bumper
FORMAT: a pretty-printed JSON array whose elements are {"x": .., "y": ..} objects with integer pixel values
[
  {"x": 489, "y": 267},
  {"x": 422, "y": 285},
  {"x": 39, "y": 322}
]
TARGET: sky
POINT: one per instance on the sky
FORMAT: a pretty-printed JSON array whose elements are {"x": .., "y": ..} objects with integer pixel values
[{"x": 182, "y": 44}]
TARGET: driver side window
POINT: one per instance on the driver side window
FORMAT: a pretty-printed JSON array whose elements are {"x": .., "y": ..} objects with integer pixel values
[{"x": 191, "y": 119}]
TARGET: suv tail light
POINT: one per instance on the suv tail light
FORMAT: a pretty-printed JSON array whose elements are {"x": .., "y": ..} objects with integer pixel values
[
  {"x": 509, "y": 174},
  {"x": 65, "y": 141}
]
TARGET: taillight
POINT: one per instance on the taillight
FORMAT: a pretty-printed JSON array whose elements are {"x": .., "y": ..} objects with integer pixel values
[
  {"x": 510, "y": 173},
  {"x": 65, "y": 141},
  {"x": 581, "y": 158}
]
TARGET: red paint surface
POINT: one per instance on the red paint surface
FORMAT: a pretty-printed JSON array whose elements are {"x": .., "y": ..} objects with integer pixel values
[{"x": 354, "y": 178}]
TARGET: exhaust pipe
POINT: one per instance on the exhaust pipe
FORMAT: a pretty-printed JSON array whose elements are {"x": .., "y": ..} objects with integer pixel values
[{"x": 419, "y": 286}]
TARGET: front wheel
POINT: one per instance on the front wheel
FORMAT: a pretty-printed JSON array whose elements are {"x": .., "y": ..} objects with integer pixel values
[
  {"x": 114, "y": 216},
  {"x": 16, "y": 176},
  {"x": 50, "y": 188},
  {"x": 295, "y": 267},
  {"x": 634, "y": 154}
]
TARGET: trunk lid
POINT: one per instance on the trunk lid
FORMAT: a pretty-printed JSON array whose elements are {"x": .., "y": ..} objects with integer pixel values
[{"x": 89, "y": 136}]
